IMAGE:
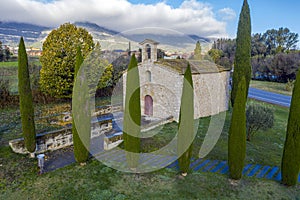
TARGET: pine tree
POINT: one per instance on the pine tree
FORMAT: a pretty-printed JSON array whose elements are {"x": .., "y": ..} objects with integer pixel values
[
  {"x": 81, "y": 152},
  {"x": 132, "y": 114},
  {"x": 291, "y": 154},
  {"x": 186, "y": 122},
  {"x": 242, "y": 61},
  {"x": 237, "y": 133},
  {"x": 26, "y": 104},
  {"x": 197, "y": 51}
]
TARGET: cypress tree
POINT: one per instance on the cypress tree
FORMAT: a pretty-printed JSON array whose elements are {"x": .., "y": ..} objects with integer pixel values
[
  {"x": 197, "y": 51},
  {"x": 242, "y": 61},
  {"x": 290, "y": 164},
  {"x": 237, "y": 133},
  {"x": 132, "y": 114},
  {"x": 186, "y": 122},
  {"x": 26, "y": 104},
  {"x": 81, "y": 153}
]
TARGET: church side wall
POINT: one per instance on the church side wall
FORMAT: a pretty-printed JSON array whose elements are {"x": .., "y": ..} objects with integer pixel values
[
  {"x": 211, "y": 93},
  {"x": 164, "y": 88}
]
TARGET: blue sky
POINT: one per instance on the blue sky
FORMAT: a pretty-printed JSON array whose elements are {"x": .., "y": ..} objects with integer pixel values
[
  {"x": 265, "y": 14},
  {"x": 209, "y": 18}
]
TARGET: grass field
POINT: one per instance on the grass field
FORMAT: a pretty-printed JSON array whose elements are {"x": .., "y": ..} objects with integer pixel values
[
  {"x": 9, "y": 71},
  {"x": 8, "y": 64},
  {"x": 18, "y": 174},
  {"x": 271, "y": 87}
]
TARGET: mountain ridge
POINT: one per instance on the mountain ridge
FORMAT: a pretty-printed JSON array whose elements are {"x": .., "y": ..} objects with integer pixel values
[{"x": 34, "y": 35}]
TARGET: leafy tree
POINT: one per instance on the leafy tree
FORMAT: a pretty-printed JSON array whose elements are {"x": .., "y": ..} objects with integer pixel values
[
  {"x": 226, "y": 49},
  {"x": 197, "y": 51},
  {"x": 215, "y": 54},
  {"x": 259, "y": 117},
  {"x": 281, "y": 40},
  {"x": 186, "y": 122},
  {"x": 258, "y": 46},
  {"x": 290, "y": 164},
  {"x": 242, "y": 61},
  {"x": 59, "y": 56},
  {"x": 119, "y": 66},
  {"x": 26, "y": 104},
  {"x": 284, "y": 66},
  {"x": 81, "y": 153},
  {"x": 132, "y": 114},
  {"x": 237, "y": 133}
]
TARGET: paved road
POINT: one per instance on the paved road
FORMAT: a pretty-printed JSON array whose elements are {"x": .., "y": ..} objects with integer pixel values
[{"x": 269, "y": 97}]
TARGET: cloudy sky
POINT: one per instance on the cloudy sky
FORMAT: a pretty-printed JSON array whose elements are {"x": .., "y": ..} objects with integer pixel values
[{"x": 209, "y": 18}]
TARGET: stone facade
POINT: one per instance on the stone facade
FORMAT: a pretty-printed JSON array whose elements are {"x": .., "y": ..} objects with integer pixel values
[{"x": 162, "y": 81}]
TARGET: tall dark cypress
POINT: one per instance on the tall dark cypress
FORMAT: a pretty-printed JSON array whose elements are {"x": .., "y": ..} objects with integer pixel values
[
  {"x": 81, "y": 152},
  {"x": 186, "y": 122},
  {"x": 26, "y": 102},
  {"x": 291, "y": 154},
  {"x": 132, "y": 114},
  {"x": 237, "y": 133},
  {"x": 239, "y": 93},
  {"x": 242, "y": 61}
]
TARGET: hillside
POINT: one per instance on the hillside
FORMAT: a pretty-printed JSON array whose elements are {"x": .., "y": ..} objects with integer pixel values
[{"x": 34, "y": 35}]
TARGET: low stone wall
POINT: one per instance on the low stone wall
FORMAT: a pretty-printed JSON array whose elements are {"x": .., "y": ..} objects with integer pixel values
[{"x": 54, "y": 140}]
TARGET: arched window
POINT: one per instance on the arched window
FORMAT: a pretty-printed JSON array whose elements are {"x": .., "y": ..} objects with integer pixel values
[
  {"x": 148, "y": 76},
  {"x": 148, "y": 49}
]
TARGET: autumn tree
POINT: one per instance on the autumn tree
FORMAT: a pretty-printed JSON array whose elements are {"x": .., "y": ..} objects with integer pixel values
[
  {"x": 26, "y": 103},
  {"x": 59, "y": 56},
  {"x": 290, "y": 164},
  {"x": 186, "y": 122},
  {"x": 132, "y": 114}
]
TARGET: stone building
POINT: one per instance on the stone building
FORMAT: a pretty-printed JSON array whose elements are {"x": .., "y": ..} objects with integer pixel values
[{"x": 161, "y": 85}]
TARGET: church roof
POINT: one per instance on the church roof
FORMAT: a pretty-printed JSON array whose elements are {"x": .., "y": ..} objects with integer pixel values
[
  {"x": 149, "y": 41},
  {"x": 197, "y": 66}
]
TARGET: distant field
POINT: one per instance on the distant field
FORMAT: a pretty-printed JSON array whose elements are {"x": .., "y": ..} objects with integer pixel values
[
  {"x": 8, "y": 64},
  {"x": 270, "y": 86},
  {"x": 9, "y": 71}
]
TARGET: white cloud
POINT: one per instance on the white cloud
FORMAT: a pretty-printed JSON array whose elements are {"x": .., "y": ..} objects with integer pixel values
[
  {"x": 192, "y": 17},
  {"x": 227, "y": 14}
]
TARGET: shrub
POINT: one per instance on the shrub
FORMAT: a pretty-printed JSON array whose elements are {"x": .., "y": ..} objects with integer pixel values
[
  {"x": 289, "y": 85},
  {"x": 259, "y": 117}
]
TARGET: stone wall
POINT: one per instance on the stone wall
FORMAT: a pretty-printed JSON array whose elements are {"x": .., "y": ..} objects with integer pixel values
[
  {"x": 58, "y": 139},
  {"x": 211, "y": 91}
]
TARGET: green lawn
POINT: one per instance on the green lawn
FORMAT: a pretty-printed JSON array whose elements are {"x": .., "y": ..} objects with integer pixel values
[
  {"x": 9, "y": 71},
  {"x": 18, "y": 174},
  {"x": 8, "y": 64},
  {"x": 271, "y": 87}
]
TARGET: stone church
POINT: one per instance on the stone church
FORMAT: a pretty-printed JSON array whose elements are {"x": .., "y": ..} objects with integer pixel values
[{"x": 161, "y": 85}]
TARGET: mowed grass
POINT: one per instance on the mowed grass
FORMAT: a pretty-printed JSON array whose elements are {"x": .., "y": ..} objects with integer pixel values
[
  {"x": 19, "y": 179},
  {"x": 279, "y": 88}
]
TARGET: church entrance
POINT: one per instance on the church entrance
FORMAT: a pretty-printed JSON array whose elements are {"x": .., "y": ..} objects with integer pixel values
[{"x": 148, "y": 105}]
